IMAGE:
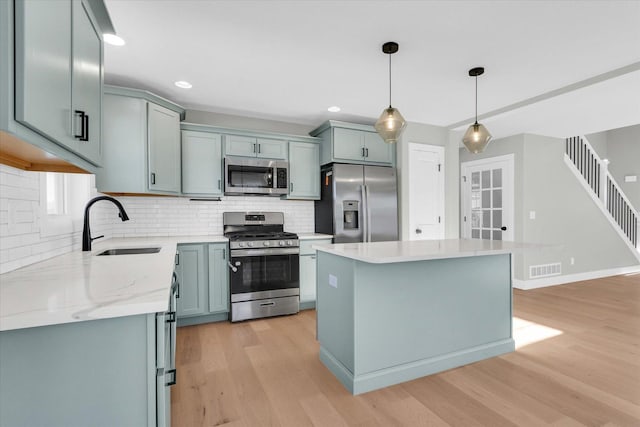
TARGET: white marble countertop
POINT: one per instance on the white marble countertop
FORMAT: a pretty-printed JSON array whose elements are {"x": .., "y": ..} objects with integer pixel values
[
  {"x": 80, "y": 286},
  {"x": 314, "y": 236},
  {"x": 419, "y": 250}
]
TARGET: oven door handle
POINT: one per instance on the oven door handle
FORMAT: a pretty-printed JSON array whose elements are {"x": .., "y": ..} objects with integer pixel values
[{"x": 237, "y": 253}]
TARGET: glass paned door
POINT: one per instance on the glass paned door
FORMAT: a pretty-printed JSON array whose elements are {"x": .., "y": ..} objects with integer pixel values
[{"x": 487, "y": 192}]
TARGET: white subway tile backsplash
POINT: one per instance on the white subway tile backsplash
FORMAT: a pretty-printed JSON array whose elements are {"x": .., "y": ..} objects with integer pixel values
[
  {"x": 21, "y": 242},
  {"x": 180, "y": 216}
]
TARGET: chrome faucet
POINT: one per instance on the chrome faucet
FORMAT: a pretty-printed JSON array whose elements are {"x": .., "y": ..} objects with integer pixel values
[{"x": 86, "y": 232}]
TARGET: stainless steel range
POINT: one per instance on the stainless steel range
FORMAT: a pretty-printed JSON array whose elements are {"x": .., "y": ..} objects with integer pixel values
[{"x": 264, "y": 265}]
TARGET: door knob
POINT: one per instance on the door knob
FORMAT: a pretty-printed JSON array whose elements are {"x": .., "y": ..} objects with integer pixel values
[
  {"x": 503, "y": 228},
  {"x": 418, "y": 231}
]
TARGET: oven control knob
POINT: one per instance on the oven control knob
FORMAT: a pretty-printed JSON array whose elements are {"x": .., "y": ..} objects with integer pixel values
[
  {"x": 281, "y": 243},
  {"x": 266, "y": 243},
  {"x": 250, "y": 244},
  {"x": 241, "y": 244},
  {"x": 289, "y": 243}
]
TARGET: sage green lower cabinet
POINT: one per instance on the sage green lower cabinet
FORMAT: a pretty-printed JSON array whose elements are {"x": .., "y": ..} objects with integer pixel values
[
  {"x": 201, "y": 163},
  {"x": 204, "y": 289},
  {"x": 191, "y": 269},
  {"x": 304, "y": 171},
  {"x": 308, "y": 272},
  {"x": 218, "y": 279},
  {"x": 100, "y": 373}
]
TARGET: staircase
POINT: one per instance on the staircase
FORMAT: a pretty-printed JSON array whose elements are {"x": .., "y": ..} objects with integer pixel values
[{"x": 585, "y": 162}]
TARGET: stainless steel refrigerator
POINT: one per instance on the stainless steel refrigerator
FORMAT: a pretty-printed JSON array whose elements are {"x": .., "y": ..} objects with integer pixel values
[{"x": 358, "y": 203}]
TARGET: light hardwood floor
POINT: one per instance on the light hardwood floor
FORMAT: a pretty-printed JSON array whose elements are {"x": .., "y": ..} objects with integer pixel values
[{"x": 584, "y": 369}]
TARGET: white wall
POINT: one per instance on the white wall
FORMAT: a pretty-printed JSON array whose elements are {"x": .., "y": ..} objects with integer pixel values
[
  {"x": 247, "y": 123},
  {"x": 567, "y": 220},
  {"x": 22, "y": 238}
]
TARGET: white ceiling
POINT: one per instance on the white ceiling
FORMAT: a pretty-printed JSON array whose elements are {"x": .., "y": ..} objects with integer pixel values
[{"x": 290, "y": 60}]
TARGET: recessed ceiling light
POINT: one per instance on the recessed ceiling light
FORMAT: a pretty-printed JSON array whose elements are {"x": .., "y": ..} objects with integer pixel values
[
  {"x": 334, "y": 109},
  {"x": 113, "y": 40},
  {"x": 184, "y": 85}
]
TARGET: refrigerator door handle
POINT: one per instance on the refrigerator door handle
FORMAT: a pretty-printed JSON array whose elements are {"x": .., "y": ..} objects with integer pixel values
[
  {"x": 368, "y": 212},
  {"x": 364, "y": 213}
]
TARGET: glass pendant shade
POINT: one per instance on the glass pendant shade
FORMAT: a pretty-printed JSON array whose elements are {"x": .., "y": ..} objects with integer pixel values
[
  {"x": 476, "y": 138},
  {"x": 390, "y": 125}
]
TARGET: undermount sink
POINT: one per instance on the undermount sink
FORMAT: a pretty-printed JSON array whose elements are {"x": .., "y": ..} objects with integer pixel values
[{"x": 130, "y": 251}]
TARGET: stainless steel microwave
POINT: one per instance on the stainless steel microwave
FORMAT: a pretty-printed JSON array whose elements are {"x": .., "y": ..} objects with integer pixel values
[{"x": 247, "y": 175}]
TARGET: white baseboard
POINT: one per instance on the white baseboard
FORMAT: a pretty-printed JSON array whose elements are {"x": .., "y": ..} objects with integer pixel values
[{"x": 568, "y": 278}]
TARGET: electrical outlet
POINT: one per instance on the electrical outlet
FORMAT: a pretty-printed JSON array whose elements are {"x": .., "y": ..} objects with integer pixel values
[
  {"x": 532, "y": 214},
  {"x": 572, "y": 260}
]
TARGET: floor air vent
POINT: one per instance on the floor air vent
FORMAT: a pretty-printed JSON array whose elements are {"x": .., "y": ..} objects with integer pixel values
[{"x": 545, "y": 270}]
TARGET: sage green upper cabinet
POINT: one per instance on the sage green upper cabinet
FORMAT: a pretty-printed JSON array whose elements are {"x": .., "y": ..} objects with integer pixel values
[
  {"x": 201, "y": 163},
  {"x": 86, "y": 90},
  {"x": 59, "y": 74},
  {"x": 271, "y": 148},
  {"x": 376, "y": 150},
  {"x": 164, "y": 148},
  {"x": 353, "y": 143},
  {"x": 141, "y": 144},
  {"x": 249, "y": 146},
  {"x": 350, "y": 146},
  {"x": 304, "y": 171}
]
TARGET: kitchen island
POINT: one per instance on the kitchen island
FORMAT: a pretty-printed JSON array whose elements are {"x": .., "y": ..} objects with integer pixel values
[{"x": 390, "y": 312}]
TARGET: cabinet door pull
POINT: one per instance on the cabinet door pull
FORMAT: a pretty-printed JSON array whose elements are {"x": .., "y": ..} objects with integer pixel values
[
  {"x": 85, "y": 128},
  {"x": 175, "y": 377},
  {"x": 366, "y": 151},
  {"x": 177, "y": 259},
  {"x": 79, "y": 115},
  {"x": 254, "y": 147},
  {"x": 291, "y": 187},
  {"x": 153, "y": 178},
  {"x": 258, "y": 148},
  {"x": 362, "y": 151},
  {"x": 219, "y": 185}
]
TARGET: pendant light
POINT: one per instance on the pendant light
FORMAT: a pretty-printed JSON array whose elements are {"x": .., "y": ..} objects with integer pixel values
[
  {"x": 391, "y": 123},
  {"x": 477, "y": 136}
]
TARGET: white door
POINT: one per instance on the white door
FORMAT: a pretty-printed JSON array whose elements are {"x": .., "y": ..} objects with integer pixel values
[
  {"x": 487, "y": 198},
  {"x": 426, "y": 192}
]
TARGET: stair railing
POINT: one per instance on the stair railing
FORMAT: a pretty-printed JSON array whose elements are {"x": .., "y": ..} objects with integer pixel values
[{"x": 595, "y": 172}]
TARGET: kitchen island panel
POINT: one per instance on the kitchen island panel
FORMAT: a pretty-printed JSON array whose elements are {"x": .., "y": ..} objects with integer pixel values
[
  {"x": 427, "y": 309},
  {"x": 335, "y": 321},
  {"x": 388, "y": 323}
]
